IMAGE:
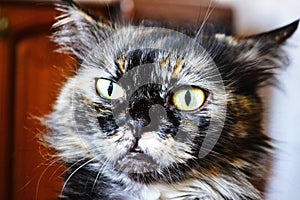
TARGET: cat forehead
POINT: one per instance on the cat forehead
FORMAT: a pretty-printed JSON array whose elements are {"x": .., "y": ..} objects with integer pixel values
[
  {"x": 137, "y": 57},
  {"x": 146, "y": 62},
  {"x": 131, "y": 47},
  {"x": 128, "y": 39}
]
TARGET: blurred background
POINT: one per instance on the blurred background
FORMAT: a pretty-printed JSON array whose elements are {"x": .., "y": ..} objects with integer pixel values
[
  {"x": 284, "y": 104},
  {"x": 31, "y": 75}
]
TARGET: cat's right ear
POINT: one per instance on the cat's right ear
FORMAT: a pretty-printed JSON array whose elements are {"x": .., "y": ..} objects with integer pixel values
[{"x": 78, "y": 31}]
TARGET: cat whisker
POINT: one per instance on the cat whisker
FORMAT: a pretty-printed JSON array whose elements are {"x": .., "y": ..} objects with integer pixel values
[
  {"x": 206, "y": 17},
  {"x": 100, "y": 172},
  {"x": 70, "y": 176},
  {"x": 74, "y": 164},
  {"x": 49, "y": 164}
]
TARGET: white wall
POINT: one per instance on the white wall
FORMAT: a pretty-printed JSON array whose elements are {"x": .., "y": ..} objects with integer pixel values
[{"x": 284, "y": 116}]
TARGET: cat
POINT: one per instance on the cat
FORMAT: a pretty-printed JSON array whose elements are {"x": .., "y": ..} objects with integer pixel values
[{"x": 153, "y": 113}]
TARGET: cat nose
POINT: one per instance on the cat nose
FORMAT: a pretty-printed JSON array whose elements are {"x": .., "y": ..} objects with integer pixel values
[
  {"x": 150, "y": 120},
  {"x": 139, "y": 126},
  {"x": 136, "y": 127},
  {"x": 136, "y": 123},
  {"x": 136, "y": 148}
]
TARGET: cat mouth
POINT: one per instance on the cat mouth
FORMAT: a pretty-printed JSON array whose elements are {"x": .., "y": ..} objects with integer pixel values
[{"x": 136, "y": 161}]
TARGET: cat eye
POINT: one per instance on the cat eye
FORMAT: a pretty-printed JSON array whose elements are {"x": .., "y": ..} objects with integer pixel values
[
  {"x": 108, "y": 89},
  {"x": 188, "y": 99}
]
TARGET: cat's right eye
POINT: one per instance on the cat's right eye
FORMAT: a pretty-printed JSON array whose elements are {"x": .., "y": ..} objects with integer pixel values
[{"x": 108, "y": 89}]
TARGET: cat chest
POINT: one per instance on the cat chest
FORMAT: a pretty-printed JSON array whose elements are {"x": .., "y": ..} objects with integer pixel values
[{"x": 190, "y": 190}]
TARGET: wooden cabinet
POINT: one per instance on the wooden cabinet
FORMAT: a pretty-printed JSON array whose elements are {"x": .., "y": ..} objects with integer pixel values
[
  {"x": 38, "y": 73},
  {"x": 31, "y": 75}
]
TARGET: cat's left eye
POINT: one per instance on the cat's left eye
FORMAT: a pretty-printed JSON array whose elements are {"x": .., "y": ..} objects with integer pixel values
[
  {"x": 188, "y": 99},
  {"x": 108, "y": 89}
]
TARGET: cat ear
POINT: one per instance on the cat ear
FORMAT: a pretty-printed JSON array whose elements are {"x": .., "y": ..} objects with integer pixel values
[
  {"x": 79, "y": 31},
  {"x": 249, "y": 63},
  {"x": 278, "y": 35}
]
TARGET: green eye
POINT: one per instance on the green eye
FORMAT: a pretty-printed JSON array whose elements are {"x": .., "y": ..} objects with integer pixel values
[
  {"x": 188, "y": 99},
  {"x": 108, "y": 89}
]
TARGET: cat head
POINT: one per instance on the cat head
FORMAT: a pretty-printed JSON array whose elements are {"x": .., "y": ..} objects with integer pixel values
[{"x": 158, "y": 105}]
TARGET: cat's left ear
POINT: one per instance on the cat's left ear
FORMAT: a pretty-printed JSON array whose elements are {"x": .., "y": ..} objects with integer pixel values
[
  {"x": 251, "y": 61},
  {"x": 77, "y": 30},
  {"x": 278, "y": 35}
]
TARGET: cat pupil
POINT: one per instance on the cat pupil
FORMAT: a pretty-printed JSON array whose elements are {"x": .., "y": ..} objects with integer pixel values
[
  {"x": 110, "y": 88},
  {"x": 187, "y": 98}
]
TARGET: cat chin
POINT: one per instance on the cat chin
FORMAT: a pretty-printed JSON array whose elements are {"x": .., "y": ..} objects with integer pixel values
[{"x": 136, "y": 163}]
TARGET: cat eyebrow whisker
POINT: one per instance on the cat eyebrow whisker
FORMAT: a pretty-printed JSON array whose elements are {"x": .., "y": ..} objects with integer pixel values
[{"x": 208, "y": 13}]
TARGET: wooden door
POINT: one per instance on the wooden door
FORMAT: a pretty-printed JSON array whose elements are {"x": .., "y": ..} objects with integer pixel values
[{"x": 31, "y": 76}]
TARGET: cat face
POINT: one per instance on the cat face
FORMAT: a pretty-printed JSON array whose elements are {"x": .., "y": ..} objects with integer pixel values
[
  {"x": 147, "y": 105},
  {"x": 156, "y": 104}
]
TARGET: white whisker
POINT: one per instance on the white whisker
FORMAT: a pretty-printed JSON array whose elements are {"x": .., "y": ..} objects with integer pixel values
[
  {"x": 206, "y": 17},
  {"x": 100, "y": 171},
  {"x": 51, "y": 163},
  {"x": 70, "y": 176}
]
